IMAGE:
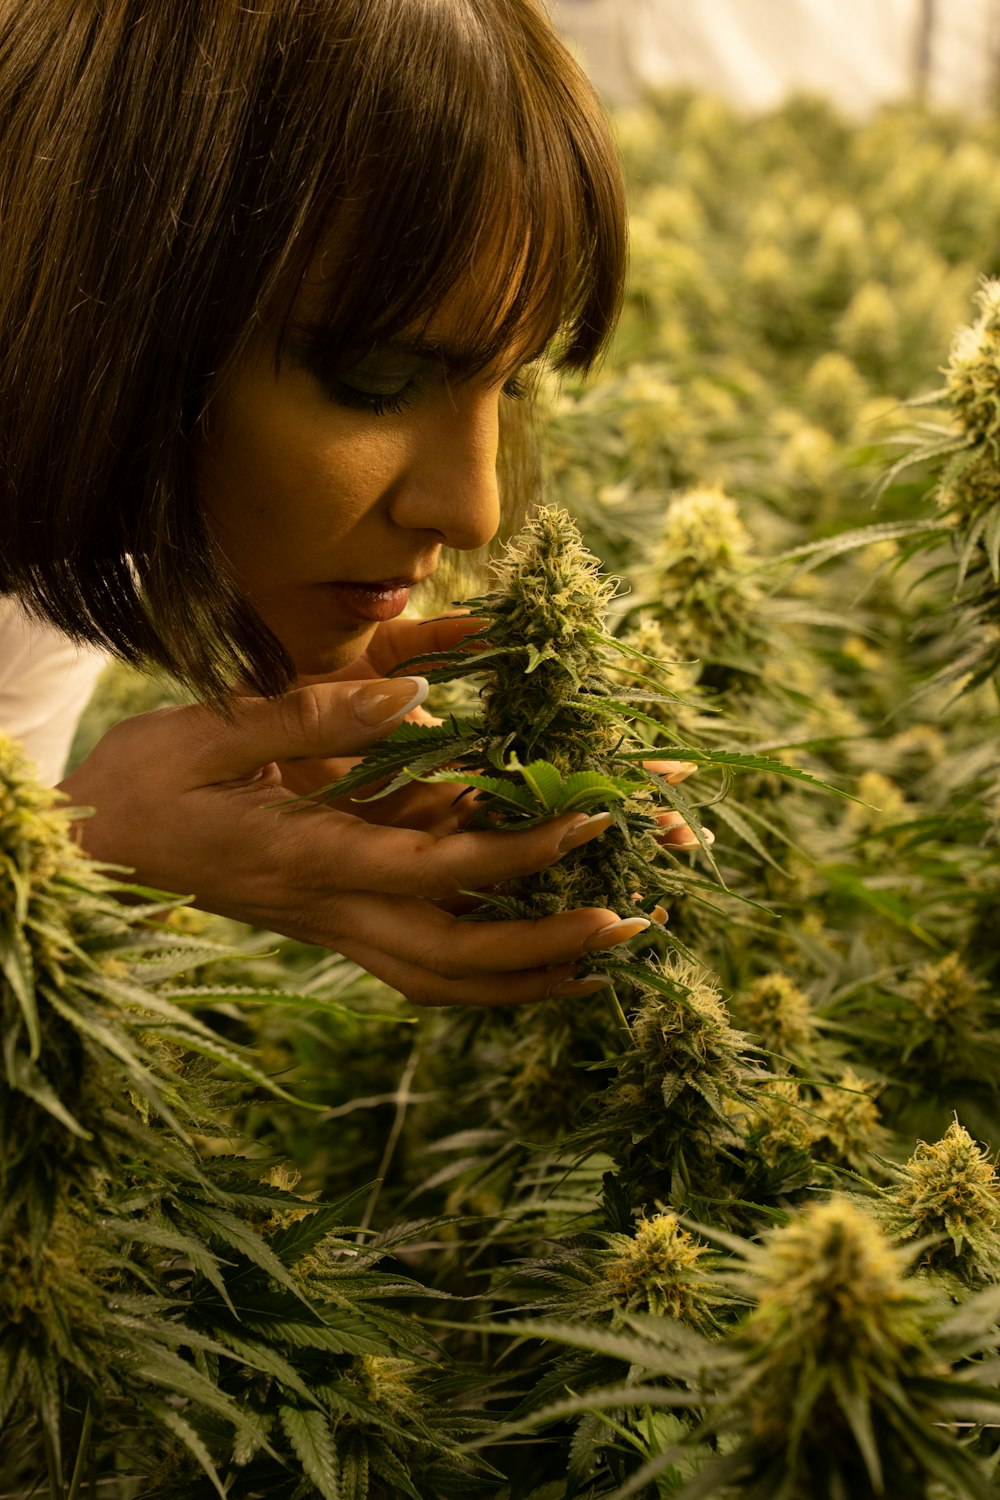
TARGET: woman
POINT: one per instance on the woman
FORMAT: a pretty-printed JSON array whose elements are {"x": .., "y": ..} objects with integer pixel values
[{"x": 267, "y": 275}]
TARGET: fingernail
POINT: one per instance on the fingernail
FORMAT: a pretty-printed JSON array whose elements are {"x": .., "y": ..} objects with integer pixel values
[
  {"x": 679, "y": 771},
  {"x": 691, "y": 840},
  {"x": 387, "y": 698},
  {"x": 658, "y": 914},
  {"x": 585, "y": 986},
  {"x": 583, "y": 829},
  {"x": 615, "y": 932}
]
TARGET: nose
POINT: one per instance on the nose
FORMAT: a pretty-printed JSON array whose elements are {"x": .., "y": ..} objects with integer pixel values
[{"x": 450, "y": 483}]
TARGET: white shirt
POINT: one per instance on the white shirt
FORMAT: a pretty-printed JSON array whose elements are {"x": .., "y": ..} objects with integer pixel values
[{"x": 45, "y": 682}]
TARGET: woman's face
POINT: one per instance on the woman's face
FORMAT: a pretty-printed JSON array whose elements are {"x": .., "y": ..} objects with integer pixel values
[{"x": 332, "y": 491}]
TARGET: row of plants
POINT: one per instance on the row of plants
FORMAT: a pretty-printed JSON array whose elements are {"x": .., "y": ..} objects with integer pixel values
[{"x": 730, "y": 1225}]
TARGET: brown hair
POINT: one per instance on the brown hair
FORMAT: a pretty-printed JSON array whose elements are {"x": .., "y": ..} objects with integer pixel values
[{"x": 168, "y": 172}]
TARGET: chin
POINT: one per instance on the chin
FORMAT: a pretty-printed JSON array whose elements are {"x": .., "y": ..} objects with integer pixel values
[{"x": 333, "y": 656}]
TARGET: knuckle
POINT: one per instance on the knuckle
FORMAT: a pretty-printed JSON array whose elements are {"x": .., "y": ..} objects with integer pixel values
[
  {"x": 438, "y": 962},
  {"x": 435, "y": 879},
  {"x": 301, "y": 713}
]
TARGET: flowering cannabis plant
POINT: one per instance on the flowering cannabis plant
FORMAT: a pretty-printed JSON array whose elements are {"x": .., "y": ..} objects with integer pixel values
[{"x": 239, "y": 1325}]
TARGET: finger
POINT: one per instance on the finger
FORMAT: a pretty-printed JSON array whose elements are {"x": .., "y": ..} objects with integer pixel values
[
  {"x": 312, "y": 723},
  {"x": 437, "y": 809},
  {"x": 403, "y": 640},
  {"x": 407, "y": 862},
  {"x": 677, "y": 834},
  {"x": 522, "y": 987},
  {"x": 672, "y": 771},
  {"x": 436, "y": 942}
]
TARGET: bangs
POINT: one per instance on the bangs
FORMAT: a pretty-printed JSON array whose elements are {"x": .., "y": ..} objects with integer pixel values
[{"x": 473, "y": 151}]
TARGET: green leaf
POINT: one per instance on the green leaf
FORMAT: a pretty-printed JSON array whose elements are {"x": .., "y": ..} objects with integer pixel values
[
  {"x": 543, "y": 779},
  {"x": 816, "y": 553},
  {"x": 991, "y": 541},
  {"x": 536, "y": 657},
  {"x": 354, "y": 1467},
  {"x": 219, "y": 1052},
  {"x": 172, "y": 1420},
  {"x": 742, "y": 761},
  {"x": 28, "y": 1078},
  {"x": 309, "y": 1433},
  {"x": 410, "y": 744},
  {"x": 294, "y": 1241},
  {"x": 583, "y": 789},
  {"x": 520, "y": 797},
  {"x": 19, "y": 971},
  {"x": 854, "y": 1400},
  {"x": 628, "y": 1348},
  {"x": 725, "y": 812},
  {"x": 631, "y": 1395},
  {"x": 220, "y": 1224},
  {"x": 338, "y": 1331}
]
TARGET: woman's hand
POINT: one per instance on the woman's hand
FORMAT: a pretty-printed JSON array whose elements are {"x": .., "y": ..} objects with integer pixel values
[{"x": 197, "y": 803}]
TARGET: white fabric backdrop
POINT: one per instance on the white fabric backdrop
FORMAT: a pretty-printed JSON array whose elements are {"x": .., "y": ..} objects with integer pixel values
[{"x": 858, "y": 53}]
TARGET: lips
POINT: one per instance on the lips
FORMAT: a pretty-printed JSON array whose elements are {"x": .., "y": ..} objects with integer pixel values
[{"x": 379, "y": 601}]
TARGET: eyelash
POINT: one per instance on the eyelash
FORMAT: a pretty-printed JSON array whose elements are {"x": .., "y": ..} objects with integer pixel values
[{"x": 515, "y": 389}]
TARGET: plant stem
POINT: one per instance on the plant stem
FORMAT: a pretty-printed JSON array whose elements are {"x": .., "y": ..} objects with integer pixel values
[
  {"x": 76, "y": 1483},
  {"x": 56, "y": 1491},
  {"x": 620, "y": 1016}
]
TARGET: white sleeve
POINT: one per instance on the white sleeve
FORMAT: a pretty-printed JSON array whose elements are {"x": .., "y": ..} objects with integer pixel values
[{"x": 45, "y": 682}]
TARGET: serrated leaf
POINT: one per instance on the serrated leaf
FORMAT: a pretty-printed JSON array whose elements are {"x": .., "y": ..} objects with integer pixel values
[
  {"x": 390, "y": 756},
  {"x": 171, "y": 1419},
  {"x": 606, "y": 1398},
  {"x": 220, "y": 1224},
  {"x": 19, "y": 971},
  {"x": 28, "y": 1078},
  {"x": 509, "y": 792},
  {"x": 543, "y": 779},
  {"x": 339, "y": 1332},
  {"x": 536, "y": 657},
  {"x": 293, "y": 1241},
  {"x": 629, "y": 1348},
  {"x": 208, "y": 1046},
  {"x": 144, "y": 1232},
  {"x": 725, "y": 812},
  {"x": 354, "y": 1466},
  {"x": 309, "y": 1433},
  {"x": 741, "y": 760}
]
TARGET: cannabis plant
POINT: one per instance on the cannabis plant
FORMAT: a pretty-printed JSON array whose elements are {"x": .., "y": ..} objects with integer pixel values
[
  {"x": 177, "y": 1313},
  {"x": 947, "y": 1198}
]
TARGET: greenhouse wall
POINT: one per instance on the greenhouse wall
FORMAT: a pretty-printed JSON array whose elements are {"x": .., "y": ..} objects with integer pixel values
[{"x": 857, "y": 53}]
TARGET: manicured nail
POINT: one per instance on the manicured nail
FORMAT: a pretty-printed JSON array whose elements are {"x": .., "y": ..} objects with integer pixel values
[
  {"x": 615, "y": 932},
  {"x": 387, "y": 698},
  {"x": 670, "y": 818},
  {"x": 676, "y": 771},
  {"x": 675, "y": 831},
  {"x": 586, "y": 986},
  {"x": 583, "y": 829}
]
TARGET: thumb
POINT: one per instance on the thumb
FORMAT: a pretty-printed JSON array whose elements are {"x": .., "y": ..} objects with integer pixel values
[{"x": 318, "y": 722}]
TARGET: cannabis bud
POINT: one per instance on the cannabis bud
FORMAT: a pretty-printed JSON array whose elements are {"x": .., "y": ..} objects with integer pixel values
[
  {"x": 972, "y": 375},
  {"x": 949, "y": 1191}
]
